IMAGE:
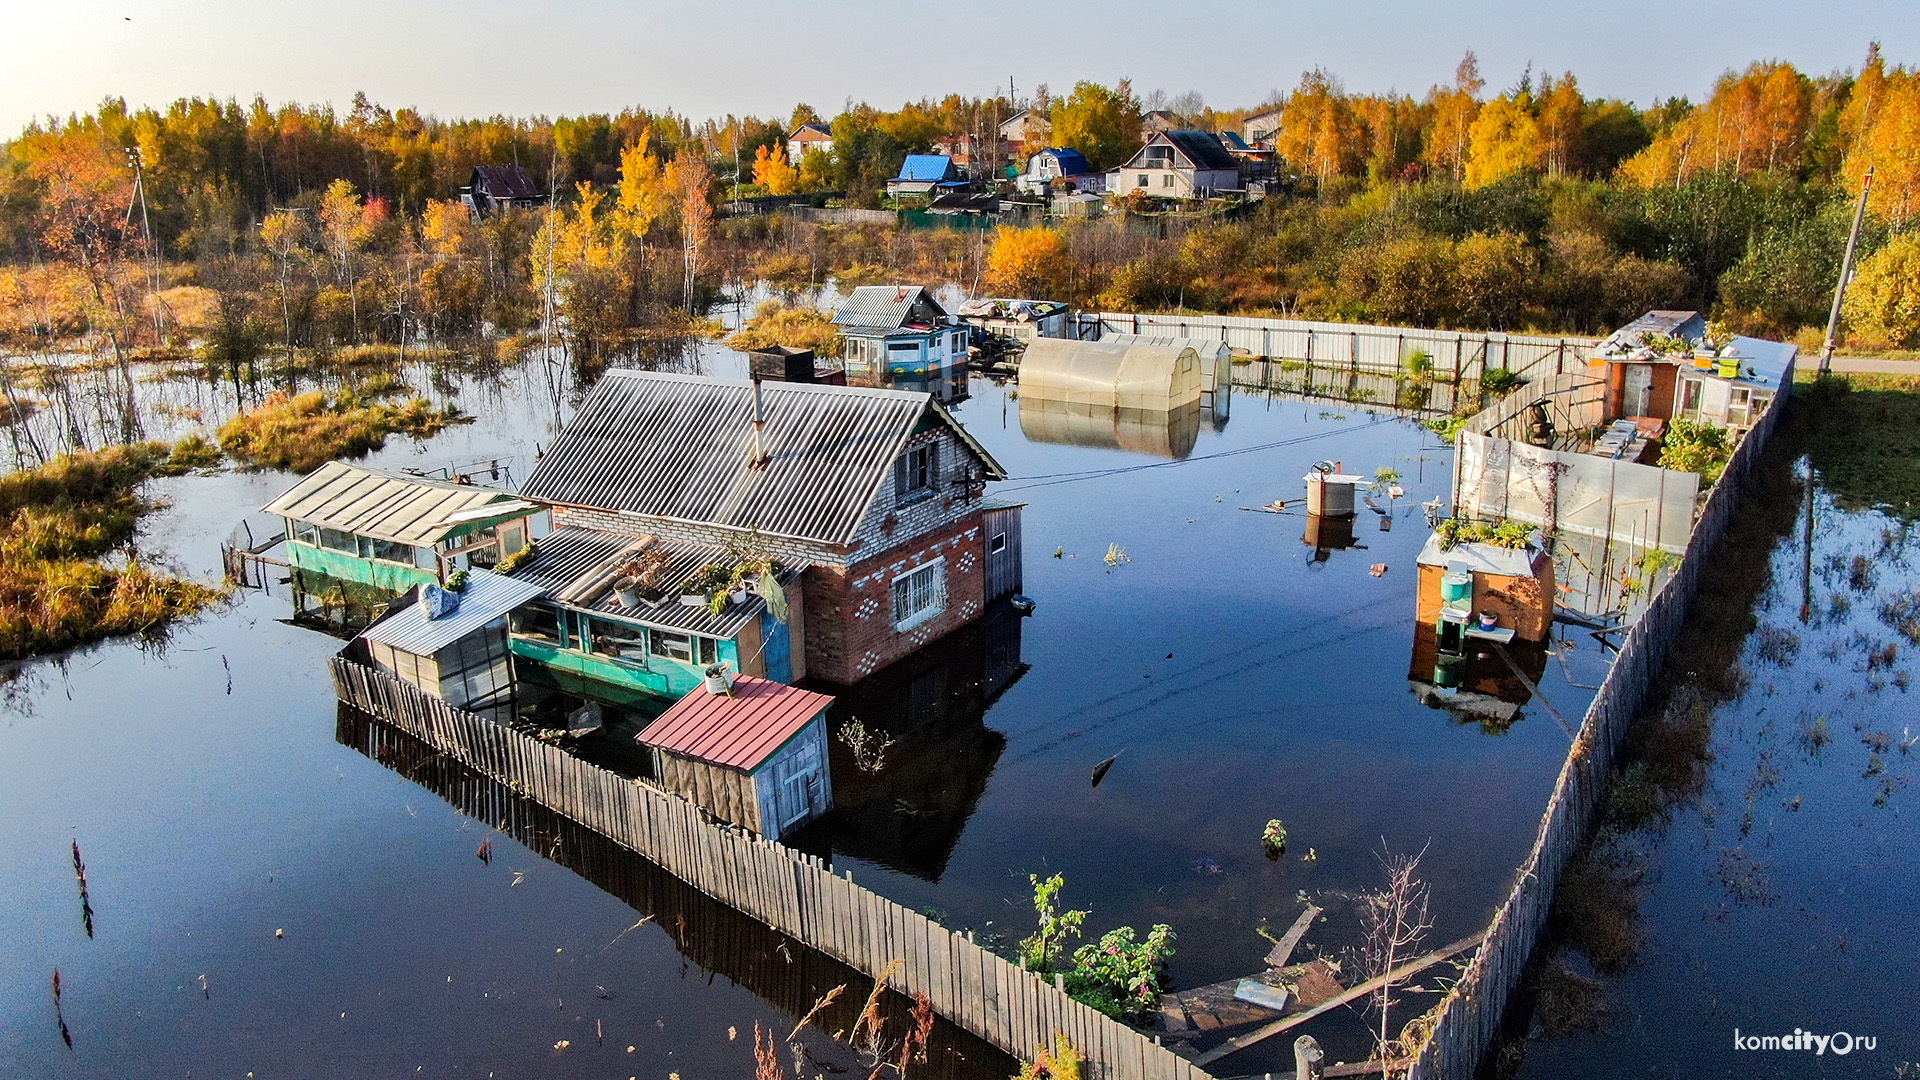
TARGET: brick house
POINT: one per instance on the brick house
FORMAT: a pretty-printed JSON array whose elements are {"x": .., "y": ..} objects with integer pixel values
[{"x": 876, "y": 494}]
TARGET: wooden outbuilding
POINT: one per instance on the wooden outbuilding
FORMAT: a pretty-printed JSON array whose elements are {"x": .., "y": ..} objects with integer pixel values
[
  {"x": 1513, "y": 585},
  {"x": 754, "y": 755}
]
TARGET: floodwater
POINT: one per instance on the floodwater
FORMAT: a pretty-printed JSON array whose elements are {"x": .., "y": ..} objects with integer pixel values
[
  {"x": 1233, "y": 671},
  {"x": 1775, "y": 893}
]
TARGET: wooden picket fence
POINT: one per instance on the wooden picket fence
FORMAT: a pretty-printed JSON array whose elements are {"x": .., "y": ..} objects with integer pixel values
[
  {"x": 1470, "y": 1015},
  {"x": 794, "y": 893}
]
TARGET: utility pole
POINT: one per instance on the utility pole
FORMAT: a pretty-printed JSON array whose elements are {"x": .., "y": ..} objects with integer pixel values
[
  {"x": 146, "y": 227},
  {"x": 1846, "y": 269}
]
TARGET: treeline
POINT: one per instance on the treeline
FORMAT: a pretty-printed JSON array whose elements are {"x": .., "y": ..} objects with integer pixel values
[{"x": 1534, "y": 207}]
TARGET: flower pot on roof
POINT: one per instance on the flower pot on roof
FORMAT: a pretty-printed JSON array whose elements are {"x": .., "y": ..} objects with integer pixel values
[
  {"x": 693, "y": 594},
  {"x": 627, "y": 591}
]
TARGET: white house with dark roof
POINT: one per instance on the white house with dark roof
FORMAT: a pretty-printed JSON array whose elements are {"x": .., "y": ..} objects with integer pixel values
[
  {"x": 899, "y": 330},
  {"x": 808, "y": 137},
  {"x": 1178, "y": 165},
  {"x": 872, "y": 497}
]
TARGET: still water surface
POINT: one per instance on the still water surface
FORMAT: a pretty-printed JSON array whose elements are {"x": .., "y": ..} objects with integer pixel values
[{"x": 1237, "y": 673}]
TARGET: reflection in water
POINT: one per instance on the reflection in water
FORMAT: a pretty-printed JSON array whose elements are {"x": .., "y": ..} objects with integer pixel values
[
  {"x": 1476, "y": 685},
  {"x": 948, "y": 386},
  {"x": 1326, "y": 535},
  {"x": 909, "y": 813},
  {"x": 781, "y": 970},
  {"x": 1169, "y": 434},
  {"x": 333, "y": 605}
]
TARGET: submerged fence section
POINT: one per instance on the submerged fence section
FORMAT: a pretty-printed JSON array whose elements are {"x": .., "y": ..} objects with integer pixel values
[
  {"x": 1471, "y": 1013},
  {"x": 1455, "y": 355},
  {"x": 793, "y": 893}
]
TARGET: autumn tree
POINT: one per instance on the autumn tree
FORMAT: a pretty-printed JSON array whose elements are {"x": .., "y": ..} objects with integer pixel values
[
  {"x": 772, "y": 171},
  {"x": 1450, "y": 132},
  {"x": 1101, "y": 123},
  {"x": 689, "y": 179},
  {"x": 1883, "y": 124},
  {"x": 1756, "y": 121},
  {"x": 1883, "y": 303},
  {"x": 1029, "y": 263},
  {"x": 85, "y": 203},
  {"x": 1503, "y": 141},
  {"x": 284, "y": 235},
  {"x": 1561, "y": 123},
  {"x": 346, "y": 226},
  {"x": 1317, "y": 132}
]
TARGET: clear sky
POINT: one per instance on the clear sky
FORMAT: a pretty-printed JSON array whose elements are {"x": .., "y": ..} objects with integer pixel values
[{"x": 761, "y": 56}]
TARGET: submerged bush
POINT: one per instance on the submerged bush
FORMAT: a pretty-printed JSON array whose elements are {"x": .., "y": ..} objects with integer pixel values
[
  {"x": 302, "y": 432},
  {"x": 773, "y": 323}
]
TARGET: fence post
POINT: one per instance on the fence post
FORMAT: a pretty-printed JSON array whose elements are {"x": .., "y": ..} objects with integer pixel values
[
  {"x": 1307, "y": 1058},
  {"x": 1353, "y": 357}
]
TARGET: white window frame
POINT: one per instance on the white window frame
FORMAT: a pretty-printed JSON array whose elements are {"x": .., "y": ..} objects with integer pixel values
[{"x": 936, "y": 598}]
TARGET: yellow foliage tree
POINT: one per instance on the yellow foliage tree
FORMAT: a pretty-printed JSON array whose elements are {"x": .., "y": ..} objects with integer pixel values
[
  {"x": 1756, "y": 121},
  {"x": 644, "y": 195},
  {"x": 446, "y": 226},
  {"x": 1028, "y": 263},
  {"x": 1883, "y": 119},
  {"x": 772, "y": 171},
  {"x": 1453, "y": 109},
  {"x": 1883, "y": 303},
  {"x": 1503, "y": 140},
  {"x": 816, "y": 171},
  {"x": 1317, "y": 132},
  {"x": 1562, "y": 123}
]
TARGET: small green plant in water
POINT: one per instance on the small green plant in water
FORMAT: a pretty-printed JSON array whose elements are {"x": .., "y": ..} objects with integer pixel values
[{"x": 1274, "y": 838}]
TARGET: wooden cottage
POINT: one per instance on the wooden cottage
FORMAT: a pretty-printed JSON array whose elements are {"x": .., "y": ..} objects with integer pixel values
[
  {"x": 393, "y": 531},
  {"x": 808, "y": 137},
  {"x": 754, "y": 755}
]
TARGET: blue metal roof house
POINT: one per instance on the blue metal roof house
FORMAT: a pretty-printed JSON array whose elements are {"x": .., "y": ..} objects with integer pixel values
[{"x": 924, "y": 174}]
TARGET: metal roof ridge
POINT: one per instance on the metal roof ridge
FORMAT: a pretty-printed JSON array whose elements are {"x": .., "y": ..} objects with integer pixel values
[{"x": 779, "y": 385}]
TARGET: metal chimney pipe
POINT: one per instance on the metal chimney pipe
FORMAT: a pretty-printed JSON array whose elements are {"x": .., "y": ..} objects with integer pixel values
[{"x": 757, "y": 456}]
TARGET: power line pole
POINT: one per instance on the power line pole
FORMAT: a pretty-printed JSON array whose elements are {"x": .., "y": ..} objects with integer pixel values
[
  {"x": 146, "y": 227},
  {"x": 1846, "y": 268}
]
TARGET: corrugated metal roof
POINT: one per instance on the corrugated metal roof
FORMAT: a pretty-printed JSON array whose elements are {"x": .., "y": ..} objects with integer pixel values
[
  {"x": 487, "y": 597},
  {"x": 1072, "y": 162},
  {"x": 887, "y": 307},
  {"x": 389, "y": 506},
  {"x": 740, "y": 731},
  {"x": 573, "y": 558},
  {"x": 676, "y": 447},
  {"x": 926, "y": 167}
]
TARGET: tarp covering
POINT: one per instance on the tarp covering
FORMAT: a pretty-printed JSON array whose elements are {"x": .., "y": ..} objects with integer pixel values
[{"x": 1156, "y": 378}]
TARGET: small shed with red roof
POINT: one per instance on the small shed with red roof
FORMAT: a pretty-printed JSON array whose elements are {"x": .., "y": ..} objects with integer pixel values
[{"x": 755, "y": 756}]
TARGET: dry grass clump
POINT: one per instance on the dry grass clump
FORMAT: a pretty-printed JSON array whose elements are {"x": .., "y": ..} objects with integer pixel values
[
  {"x": 304, "y": 431},
  {"x": 800, "y": 327},
  {"x": 58, "y": 520}
]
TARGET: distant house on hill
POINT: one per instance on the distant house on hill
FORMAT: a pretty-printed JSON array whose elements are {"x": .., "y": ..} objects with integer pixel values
[
  {"x": 1178, "y": 165},
  {"x": 1157, "y": 121},
  {"x": 1260, "y": 129},
  {"x": 498, "y": 187},
  {"x": 1060, "y": 170},
  {"x": 926, "y": 174},
  {"x": 808, "y": 137},
  {"x": 1025, "y": 130}
]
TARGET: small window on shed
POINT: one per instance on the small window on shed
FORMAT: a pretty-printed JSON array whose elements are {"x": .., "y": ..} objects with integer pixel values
[
  {"x": 996, "y": 543},
  {"x": 305, "y": 533},
  {"x": 673, "y": 646},
  {"x": 619, "y": 640},
  {"x": 709, "y": 650},
  {"x": 338, "y": 541}
]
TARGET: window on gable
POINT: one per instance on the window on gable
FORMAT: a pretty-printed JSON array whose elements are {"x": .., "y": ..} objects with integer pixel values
[
  {"x": 919, "y": 595},
  {"x": 997, "y": 543},
  {"x": 914, "y": 472}
]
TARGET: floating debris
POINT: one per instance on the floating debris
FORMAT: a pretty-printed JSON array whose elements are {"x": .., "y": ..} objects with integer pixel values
[
  {"x": 86, "y": 905},
  {"x": 1379, "y": 569},
  {"x": 485, "y": 851},
  {"x": 1115, "y": 556},
  {"x": 1100, "y": 770},
  {"x": 1204, "y": 865}
]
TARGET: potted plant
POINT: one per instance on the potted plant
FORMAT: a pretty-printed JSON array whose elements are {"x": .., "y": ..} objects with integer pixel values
[
  {"x": 719, "y": 680},
  {"x": 627, "y": 591},
  {"x": 1489, "y": 621}
]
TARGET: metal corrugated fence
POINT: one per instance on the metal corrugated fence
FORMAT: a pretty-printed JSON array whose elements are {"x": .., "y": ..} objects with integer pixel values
[
  {"x": 796, "y": 894},
  {"x": 1455, "y": 354}
]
